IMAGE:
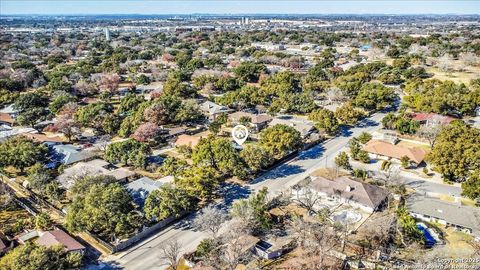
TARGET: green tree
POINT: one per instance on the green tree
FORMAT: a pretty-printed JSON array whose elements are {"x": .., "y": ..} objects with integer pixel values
[
  {"x": 254, "y": 210},
  {"x": 249, "y": 71},
  {"x": 349, "y": 115},
  {"x": 167, "y": 201},
  {"x": 471, "y": 187},
  {"x": 21, "y": 152},
  {"x": 59, "y": 101},
  {"x": 342, "y": 161},
  {"x": 279, "y": 140},
  {"x": 219, "y": 154},
  {"x": 198, "y": 181},
  {"x": 255, "y": 157},
  {"x": 363, "y": 156},
  {"x": 43, "y": 221},
  {"x": 364, "y": 137},
  {"x": 325, "y": 120},
  {"x": 33, "y": 257},
  {"x": 128, "y": 152},
  {"x": 405, "y": 161},
  {"x": 409, "y": 225},
  {"x": 106, "y": 209},
  {"x": 38, "y": 177},
  {"x": 374, "y": 96},
  {"x": 142, "y": 79},
  {"x": 456, "y": 151},
  {"x": 173, "y": 166},
  {"x": 355, "y": 148}
]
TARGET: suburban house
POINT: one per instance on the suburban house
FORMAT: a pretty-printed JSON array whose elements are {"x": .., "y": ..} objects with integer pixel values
[
  {"x": 369, "y": 198},
  {"x": 174, "y": 132},
  {"x": 6, "y": 119},
  {"x": 187, "y": 140},
  {"x": 93, "y": 167},
  {"x": 140, "y": 188},
  {"x": 382, "y": 149},
  {"x": 59, "y": 237},
  {"x": 68, "y": 154},
  {"x": 213, "y": 110},
  {"x": 460, "y": 217},
  {"x": 429, "y": 119},
  {"x": 10, "y": 110},
  {"x": 42, "y": 138},
  {"x": 305, "y": 127},
  {"x": 256, "y": 121}
]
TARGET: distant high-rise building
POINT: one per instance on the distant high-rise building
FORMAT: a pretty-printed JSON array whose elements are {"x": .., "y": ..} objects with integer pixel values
[
  {"x": 107, "y": 34},
  {"x": 246, "y": 20}
]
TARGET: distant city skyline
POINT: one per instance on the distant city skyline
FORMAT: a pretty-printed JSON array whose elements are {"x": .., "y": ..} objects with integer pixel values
[{"x": 9, "y": 7}]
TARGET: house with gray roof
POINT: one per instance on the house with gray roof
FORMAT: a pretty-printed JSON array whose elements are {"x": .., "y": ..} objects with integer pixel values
[
  {"x": 304, "y": 126},
  {"x": 460, "y": 217},
  {"x": 140, "y": 188},
  {"x": 367, "y": 197},
  {"x": 68, "y": 154},
  {"x": 213, "y": 110}
]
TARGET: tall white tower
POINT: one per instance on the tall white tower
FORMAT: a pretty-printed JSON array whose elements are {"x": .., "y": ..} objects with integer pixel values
[{"x": 107, "y": 34}]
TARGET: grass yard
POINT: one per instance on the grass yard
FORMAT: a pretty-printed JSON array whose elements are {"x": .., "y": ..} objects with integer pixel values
[{"x": 455, "y": 76}]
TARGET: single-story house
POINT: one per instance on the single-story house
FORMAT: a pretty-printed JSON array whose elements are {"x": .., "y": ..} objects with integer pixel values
[
  {"x": 304, "y": 126},
  {"x": 140, "y": 188},
  {"x": 257, "y": 121},
  {"x": 463, "y": 218},
  {"x": 174, "y": 132},
  {"x": 379, "y": 148},
  {"x": 68, "y": 154},
  {"x": 431, "y": 118},
  {"x": 10, "y": 110},
  {"x": 27, "y": 236},
  {"x": 187, "y": 140},
  {"x": 59, "y": 237},
  {"x": 213, "y": 110},
  {"x": 6, "y": 119},
  {"x": 7, "y": 132},
  {"x": 44, "y": 138},
  {"x": 367, "y": 197},
  {"x": 93, "y": 167}
]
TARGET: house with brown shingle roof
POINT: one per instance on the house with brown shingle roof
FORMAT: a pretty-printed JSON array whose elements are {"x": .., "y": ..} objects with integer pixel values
[
  {"x": 367, "y": 197},
  {"x": 44, "y": 138},
  {"x": 257, "y": 121},
  {"x": 381, "y": 149},
  {"x": 59, "y": 237},
  {"x": 6, "y": 119}
]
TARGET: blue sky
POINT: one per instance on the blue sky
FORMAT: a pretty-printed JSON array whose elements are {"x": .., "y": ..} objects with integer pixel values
[{"x": 236, "y": 7}]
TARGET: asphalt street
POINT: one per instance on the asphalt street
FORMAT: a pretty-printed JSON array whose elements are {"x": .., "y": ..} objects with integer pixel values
[{"x": 146, "y": 255}]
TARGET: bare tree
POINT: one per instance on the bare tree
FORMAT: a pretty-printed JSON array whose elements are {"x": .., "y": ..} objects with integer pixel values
[
  {"x": 391, "y": 174},
  {"x": 236, "y": 247},
  {"x": 103, "y": 142},
  {"x": 335, "y": 95},
  {"x": 430, "y": 131},
  {"x": 210, "y": 219},
  {"x": 322, "y": 240},
  {"x": 170, "y": 252},
  {"x": 307, "y": 199},
  {"x": 109, "y": 82},
  {"x": 5, "y": 197},
  {"x": 444, "y": 63}
]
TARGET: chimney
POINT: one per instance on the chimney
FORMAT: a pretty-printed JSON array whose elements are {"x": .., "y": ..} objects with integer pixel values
[{"x": 348, "y": 188}]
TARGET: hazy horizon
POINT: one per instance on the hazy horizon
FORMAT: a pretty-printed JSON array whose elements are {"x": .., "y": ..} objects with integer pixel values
[{"x": 246, "y": 7}]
